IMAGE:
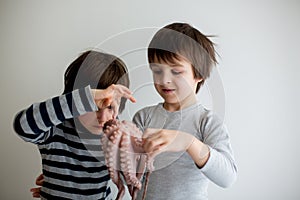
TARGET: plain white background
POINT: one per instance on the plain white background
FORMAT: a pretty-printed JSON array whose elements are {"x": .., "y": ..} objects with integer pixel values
[{"x": 255, "y": 87}]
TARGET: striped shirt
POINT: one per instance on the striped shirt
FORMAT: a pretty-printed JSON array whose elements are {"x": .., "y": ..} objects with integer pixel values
[{"x": 72, "y": 158}]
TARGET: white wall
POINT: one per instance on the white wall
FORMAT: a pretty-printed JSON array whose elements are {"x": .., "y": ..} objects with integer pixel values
[{"x": 259, "y": 45}]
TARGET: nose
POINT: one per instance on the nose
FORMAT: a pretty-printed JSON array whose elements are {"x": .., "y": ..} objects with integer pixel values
[
  {"x": 163, "y": 78},
  {"x": 103, "y": 115}
]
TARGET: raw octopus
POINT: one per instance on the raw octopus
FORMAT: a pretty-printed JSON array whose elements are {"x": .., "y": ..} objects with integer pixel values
[{"x": 125, "y": 156}]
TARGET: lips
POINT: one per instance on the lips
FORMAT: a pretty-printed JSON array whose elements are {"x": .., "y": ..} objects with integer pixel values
[
  {"x": 98, "y": 126},
  {"x": 167, "y": 91}
]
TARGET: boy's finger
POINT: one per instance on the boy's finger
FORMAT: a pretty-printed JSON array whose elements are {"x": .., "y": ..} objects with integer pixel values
[
  {"x": 149, "y": 132},
  {"x": 36, "y": 195},
  {"x": 129, "y": 96},
  {"x": 132, "y": 99},
  {"x": 39, "y": 182},
  {"x": 33, "y": 189},
  {"x": 115, "y": 107},
  {"x": 35, "y": 192},
  {"x": 127, "y": 93},
  {"x": 153, "y": 144}
]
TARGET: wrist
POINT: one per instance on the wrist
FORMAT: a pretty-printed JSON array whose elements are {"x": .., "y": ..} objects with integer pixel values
[{"x": 199, "y": 152}]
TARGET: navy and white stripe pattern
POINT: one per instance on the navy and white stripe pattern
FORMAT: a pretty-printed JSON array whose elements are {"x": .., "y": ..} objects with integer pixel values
[{"x": 73, "y": 166}]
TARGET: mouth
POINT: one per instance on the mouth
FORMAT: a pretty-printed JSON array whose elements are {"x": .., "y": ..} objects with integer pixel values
[
  {"x": 98, "y": 126},
  {"x": 168, "y": 91}
]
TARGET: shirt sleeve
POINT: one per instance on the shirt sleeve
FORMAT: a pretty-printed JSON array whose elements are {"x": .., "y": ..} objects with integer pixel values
[
  {"x": 220, "y": 167},
  {"x": 138, "y": 120},
  {"x": 34, "y": 124}
]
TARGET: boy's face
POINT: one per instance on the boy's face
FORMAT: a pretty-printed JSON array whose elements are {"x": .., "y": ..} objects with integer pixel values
[
  {"x": 94, "y": 121},
  {"x": 175, "y": 82}
]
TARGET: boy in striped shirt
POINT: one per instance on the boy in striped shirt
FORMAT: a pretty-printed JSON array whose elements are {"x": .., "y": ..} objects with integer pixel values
[{"x": 67, "y": 128}]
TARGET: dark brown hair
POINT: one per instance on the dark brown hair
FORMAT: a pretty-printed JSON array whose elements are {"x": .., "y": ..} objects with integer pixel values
[
  {"x": 97, "y": 69},
  {"x": 178, "y": 40}
]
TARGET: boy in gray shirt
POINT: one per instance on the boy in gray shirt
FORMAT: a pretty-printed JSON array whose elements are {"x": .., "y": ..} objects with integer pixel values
[{"x": 190, "y": 144}]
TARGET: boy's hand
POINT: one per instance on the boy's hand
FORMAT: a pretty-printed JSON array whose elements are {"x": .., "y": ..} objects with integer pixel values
[
  {"x": 36, "y": 191},
  {"x": 111, "y": 96},
  {"x": 156, "y": 141}
]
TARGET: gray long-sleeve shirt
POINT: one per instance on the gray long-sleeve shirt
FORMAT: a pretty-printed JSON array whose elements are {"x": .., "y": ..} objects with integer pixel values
[{"x": 176, "y": 176}]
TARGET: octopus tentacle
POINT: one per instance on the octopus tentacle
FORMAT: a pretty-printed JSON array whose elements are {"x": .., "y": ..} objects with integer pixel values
[{"x": 124, "y": 154}]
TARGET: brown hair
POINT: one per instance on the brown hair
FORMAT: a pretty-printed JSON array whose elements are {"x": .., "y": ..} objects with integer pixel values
[
  {"x": 97, "y": 69},
  {"x": 182, "y": 40}
]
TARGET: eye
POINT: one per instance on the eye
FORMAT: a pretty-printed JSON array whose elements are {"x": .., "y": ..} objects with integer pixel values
[
  {"x": 156, "y": 71},
  {"x": 110, "y": 107},
  {"x": 176, "y": 72}
]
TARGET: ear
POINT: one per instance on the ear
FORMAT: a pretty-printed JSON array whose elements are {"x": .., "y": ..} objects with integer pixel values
[{"x": 199, "y": 80}]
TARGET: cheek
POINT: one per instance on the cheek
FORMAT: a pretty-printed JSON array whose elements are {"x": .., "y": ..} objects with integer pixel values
[
  {"x": 108, "y": 116},
  {"x": 186, "y": 83},
  {"x": 181, "y": 81},
  {"x": 156, "y": 79},
  {"x": 87, "y": 118},
  {"x": 105, "y": 115},
  {"x": 157, "y": 88}
]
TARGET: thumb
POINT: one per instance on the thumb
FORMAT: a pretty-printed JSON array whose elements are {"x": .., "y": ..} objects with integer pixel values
[
  {"x": 149, "y": 132},
  {"x": 103, "y": 103},
  {"x": 115, "y": 110}
]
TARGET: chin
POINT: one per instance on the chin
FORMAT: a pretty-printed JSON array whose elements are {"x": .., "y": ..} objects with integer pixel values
[{"x": 96, "y": 132}]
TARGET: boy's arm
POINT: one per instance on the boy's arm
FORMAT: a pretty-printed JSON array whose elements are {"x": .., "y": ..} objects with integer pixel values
[
  {"x": 34, "y": 123},
  {"x": 213, "y": 156},
  {"x": 220, "y": 167}
]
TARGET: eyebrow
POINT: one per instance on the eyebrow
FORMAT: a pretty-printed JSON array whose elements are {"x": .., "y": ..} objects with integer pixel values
[
  {"x": 171, "y": 65},
  {"x": 176, "y": 65}
]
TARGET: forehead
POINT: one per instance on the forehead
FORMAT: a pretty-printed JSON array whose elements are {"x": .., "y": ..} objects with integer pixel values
[{"x": 172, "y": 62}]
